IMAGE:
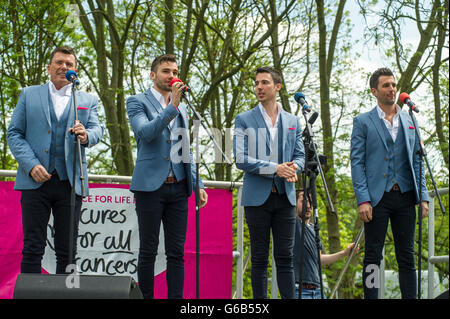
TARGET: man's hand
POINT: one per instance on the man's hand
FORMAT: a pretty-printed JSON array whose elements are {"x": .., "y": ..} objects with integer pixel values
[
  {"x": 80, "y": 131},
  {"x": 287, "y": 170},
  {"x": 40, "y": 174},
  {"x": 424, "y": 209},
  {"x": 349, "y": 248},
  {"x": 203, "y": 198},
  {"x": 177, "y": 90},
  {"x": 365, "y": 212}
]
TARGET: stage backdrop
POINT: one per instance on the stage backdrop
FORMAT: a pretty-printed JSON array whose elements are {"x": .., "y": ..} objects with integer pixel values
[{"x": 108, "y": 241}]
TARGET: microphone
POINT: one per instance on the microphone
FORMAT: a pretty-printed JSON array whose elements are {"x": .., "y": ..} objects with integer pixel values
[
  {"x": 300, "y": 98},
  {"x": 406, "y": 99},
  {"x": 72, "y": 76},
  {"x": 313, "y": 118},
  {"x": 186, "y": 88}
]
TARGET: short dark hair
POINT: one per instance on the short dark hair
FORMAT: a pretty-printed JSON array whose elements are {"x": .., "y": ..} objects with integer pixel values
[
  {"x": 162, "y": 58},
  {"x": 65, "y": 50},
  {"x": 276, "y": 75},
  {"x": 373, "y": 81}
]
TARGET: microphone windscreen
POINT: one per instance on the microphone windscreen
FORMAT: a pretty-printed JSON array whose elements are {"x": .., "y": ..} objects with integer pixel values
[
  {"x": 403, "y": 96},
  {"x": 298, "y": 96},
  {"x": 70, "y": 74},
  {"x": 175, "y": 80}
]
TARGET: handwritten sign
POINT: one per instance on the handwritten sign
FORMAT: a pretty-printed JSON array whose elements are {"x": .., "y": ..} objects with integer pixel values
[{"x": 108, "y": 236}]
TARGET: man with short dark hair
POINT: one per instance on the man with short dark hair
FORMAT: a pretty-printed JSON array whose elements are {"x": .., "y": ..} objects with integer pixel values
[
  {"x": 40, "y": 138},
  {"x": 268, "y": 194},
  {"x": 385, "y": 175},
  {"x": 164, "y": 175}
]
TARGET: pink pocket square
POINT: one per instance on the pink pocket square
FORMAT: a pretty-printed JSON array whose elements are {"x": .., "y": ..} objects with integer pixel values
[
  {"x": 82, "y": 108},
  {"x": 411, "y": 127},
  {"x": 292, "y": 128}
]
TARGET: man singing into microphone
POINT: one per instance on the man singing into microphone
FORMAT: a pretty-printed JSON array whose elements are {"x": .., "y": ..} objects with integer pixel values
[
  {"x": 268, "y": 194},
  {"x": 385, "y": 175},
  {"x": 40, "y": 137},
  {"x": 163, "y": 179}
]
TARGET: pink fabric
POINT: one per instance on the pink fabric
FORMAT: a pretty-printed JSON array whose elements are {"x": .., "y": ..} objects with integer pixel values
[{"x": 216, "y": 244}]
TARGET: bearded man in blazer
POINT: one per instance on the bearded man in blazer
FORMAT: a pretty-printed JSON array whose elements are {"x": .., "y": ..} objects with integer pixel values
[
  {"x": 385, "y": 175},
  {"x": 164, "y": 174},
  {"x": 40, "y": 136}
]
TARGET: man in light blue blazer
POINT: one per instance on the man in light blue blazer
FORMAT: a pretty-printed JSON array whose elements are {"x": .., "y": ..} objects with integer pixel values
[
  {"x": 164, "y": 174},
  {"x": 41, "y": 139},
  {"x": 269, "y": 149},
  {"x": 385, "y": 175}
]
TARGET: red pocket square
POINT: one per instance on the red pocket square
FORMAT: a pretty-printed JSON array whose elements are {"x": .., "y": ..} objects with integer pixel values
[
  {"x": 411, "y": 127},
  {"x": 82, "y": 108},
  {"x": 292, "y": 128}
]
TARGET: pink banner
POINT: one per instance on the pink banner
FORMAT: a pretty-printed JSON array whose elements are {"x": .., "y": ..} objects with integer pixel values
[{"x": 108, "y": 241}]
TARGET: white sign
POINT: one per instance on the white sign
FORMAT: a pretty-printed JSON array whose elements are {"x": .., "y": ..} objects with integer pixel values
[{"x": 108, "y": 236}]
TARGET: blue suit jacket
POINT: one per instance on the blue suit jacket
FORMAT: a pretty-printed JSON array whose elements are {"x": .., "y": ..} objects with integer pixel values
[
  {"x": 368, "y": 152},
  {"x": 250, "y": 141},
  {"x": 150, "y": 123},
  {"x": 29, "y": 134}
]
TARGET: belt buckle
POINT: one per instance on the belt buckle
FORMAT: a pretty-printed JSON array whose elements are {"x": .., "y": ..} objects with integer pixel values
[{"x": 395, "y": 187}]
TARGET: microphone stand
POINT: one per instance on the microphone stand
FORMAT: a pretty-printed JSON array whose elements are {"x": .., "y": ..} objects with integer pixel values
[
  {"x": 200, "y": 120},
  {"x": 76, "y": 153},
  {"x": 422, "y": 155},
  {"x": 312, "y": 164}
]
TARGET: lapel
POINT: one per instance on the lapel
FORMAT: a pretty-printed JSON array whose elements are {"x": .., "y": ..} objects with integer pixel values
[
  {"x": 260, "y": 123},
  {"x": 45, "y": 95},
  {"x": 153, "y": 102},
  {"x": 285, "y": 130},
  {"x": 404, "y": 120},
  {"x": 377, "y": 122},
  {"x": 71, "y": 115}
]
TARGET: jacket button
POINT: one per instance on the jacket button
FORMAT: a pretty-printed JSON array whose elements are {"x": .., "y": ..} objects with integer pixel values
[
  {"x": 169, "y": 141},
  {"x": 167, "y": 158},
  {"x": 46, "y": 151},
  {"x": 384, "y": 175},
  {"x": 48, "y": 131},
  {"x": 386, "y": 158}
]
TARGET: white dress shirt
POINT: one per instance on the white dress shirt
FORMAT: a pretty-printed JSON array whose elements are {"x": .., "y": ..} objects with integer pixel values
[
  {"x": 160, "y": 98},
  {"x": 60, "y": 98},
  {"x": 272, "y": 127},
  {"x": 392, "y": 128}
]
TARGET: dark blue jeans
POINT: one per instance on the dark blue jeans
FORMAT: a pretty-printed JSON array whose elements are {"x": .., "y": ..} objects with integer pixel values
[
  {"x": 400, "y": 209},
  {"x": 168, "y": 204},
  {"x": 277, "y": 214},
  {"x": 37, "y": 204}
]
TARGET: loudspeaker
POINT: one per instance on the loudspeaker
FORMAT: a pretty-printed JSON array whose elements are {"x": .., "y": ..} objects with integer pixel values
[
  {"x": 42, "y": 286},
  {"x": 443, "y": 295}
]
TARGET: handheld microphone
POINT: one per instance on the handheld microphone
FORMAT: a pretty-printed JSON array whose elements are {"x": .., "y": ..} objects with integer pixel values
[
  {"x": 406, "y": 99},
  {"x": 72, "y": 76},
  {"x": 300, "y": 98},
  {"x": 185, "y": 88}
]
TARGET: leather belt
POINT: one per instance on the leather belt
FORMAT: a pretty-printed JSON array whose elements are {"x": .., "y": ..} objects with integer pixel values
[
  {"x": 274, "y": 189},
  {"x": 173, "y": 180},
  {"x": 395, "y": 188},
  {"x": 309, "y": 286}
]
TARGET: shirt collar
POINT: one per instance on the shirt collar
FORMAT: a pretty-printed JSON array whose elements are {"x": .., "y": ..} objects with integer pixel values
[
  {"x": 381, "y": 113},
  {"x": 159, "y": 97},
  {"x": 64, "y": 91},
  {"x": 264, "y": 113}
]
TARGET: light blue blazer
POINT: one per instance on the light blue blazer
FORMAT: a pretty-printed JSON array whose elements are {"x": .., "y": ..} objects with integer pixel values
[
  {"x": 155, "y": 149},
  {"x": 368, "y": 152},
  {"x": 29, "y": 134},
  {"x": 251, "y": 140}
]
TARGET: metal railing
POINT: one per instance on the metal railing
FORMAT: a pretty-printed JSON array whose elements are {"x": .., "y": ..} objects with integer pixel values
[{"x": 238, "y": 254}]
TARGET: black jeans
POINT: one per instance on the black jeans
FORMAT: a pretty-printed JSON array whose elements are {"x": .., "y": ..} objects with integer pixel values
[
  {"x": 400, "y": 209},
  {"x": 168, "y": 204},
  {"x": 37, "y": 204},
  {"x": 277, "y": 214}
]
